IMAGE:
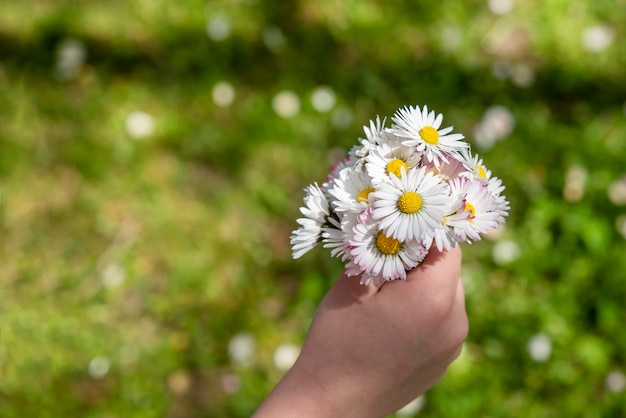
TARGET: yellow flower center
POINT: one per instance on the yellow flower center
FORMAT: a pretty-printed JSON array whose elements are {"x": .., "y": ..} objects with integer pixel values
[
  {"x": 430, "y": 135},
  {"x": 480, "y": 171},
  {"x": 387, "y": 245},
  {"x": 363, "y": 194},
  {"x": 394, "y": 166},
  {"x": 410, "y": 202},
  {"x": 471, "y": 208}
]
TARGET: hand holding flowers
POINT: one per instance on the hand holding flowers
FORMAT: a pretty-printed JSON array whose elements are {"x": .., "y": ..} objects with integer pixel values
[{"x": 371, "y": 350}]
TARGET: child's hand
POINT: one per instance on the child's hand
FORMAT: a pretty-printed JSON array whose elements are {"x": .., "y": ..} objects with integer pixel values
[{"x": 370, "y": 350}]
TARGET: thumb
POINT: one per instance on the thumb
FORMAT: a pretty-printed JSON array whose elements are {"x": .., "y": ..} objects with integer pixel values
[{"x": 439, "y": 275}]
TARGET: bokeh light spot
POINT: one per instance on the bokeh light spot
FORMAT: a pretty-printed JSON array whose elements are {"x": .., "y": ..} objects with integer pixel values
[
  {"x": 218, "y": 28},
  {"x": 241, "y": 349},
  {"x": 285, "y": 356},
  {"x": 223, "y": 94},
  {"x": 539, "y": 347},
  {"x": 597, "y": 38},
  {"x": 140, "y": 125},
  {"x": 99, "y": 366},
  {"x": 323, "y": 99},
  {"x": 500, "y": 7},
  {"x": 286, "y": 104}
]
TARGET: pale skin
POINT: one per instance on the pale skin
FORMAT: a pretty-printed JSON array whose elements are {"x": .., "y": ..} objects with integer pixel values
[{"x": 370, "y": 351}]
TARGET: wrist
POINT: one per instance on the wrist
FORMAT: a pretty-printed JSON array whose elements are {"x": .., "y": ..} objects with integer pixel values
[{"x": 300, "y": 394}]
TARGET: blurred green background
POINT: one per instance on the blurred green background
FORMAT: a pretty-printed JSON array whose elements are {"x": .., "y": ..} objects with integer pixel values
[{"x": 152, "y": 160}]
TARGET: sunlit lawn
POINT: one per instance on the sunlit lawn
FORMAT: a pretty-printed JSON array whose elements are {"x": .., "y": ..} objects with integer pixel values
[{"x": 152, "y": 161}]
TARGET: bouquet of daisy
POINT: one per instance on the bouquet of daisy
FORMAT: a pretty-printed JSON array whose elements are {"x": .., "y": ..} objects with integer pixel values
[{"x": 398, "y": 192}]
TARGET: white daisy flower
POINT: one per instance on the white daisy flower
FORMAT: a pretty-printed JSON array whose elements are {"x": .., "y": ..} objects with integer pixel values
[
  {"x": 476, "y": 169},
  {"x": 443, "y": 237},
  {"x": 408, "y": 207},
  {"x": 375, "y": 134},
  {"x": 389, "y": 158},
  {"x": 346, "y": 162},
  {"x": 378, "y": 257},
  {"x": 338, "y": 233},
  {"x": 501, "y": 205},
  {"x": 334, "y": 236},
  {"x": 447, "y": 171},
  {"x": 316, "y": 210},
  {"x": 421, "y": 129},
  {"x": 350, "y": 190},
  {"x": 477, "y": 215}
]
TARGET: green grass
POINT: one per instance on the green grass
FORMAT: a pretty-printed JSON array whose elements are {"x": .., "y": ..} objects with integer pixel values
[{"x": 152, "y": 254}]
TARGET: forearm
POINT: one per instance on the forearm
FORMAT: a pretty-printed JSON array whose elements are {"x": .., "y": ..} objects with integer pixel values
[
  {"x": 315, "y": 391},
  {"x": 297, "y": 396}
]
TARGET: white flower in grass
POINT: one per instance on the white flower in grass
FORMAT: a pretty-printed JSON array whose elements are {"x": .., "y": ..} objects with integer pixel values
[
  {"x": 498, "y": 122},
  {"x": 99, "y": 366},
  {"x": 477, "y": 215},
  {"x": 223, "y": 94},
  {"x": 274, "y": 38},
  {"x": 70, "y": 59},
  {"x": 500, "y": 7},
  {"x": 420, "y": 128},
  {"x": 323, "y": 99},
  {"x": 410, "y": 206},
  {"x": 286, "y": 104},
  {"x": 505, "y": 252},
  {"x": 242, "y": 349},
  {"x": 285, "y": 356},
  {"x": 388, "y": 158},
  {"x": 350, "y": 190},
  {"x": 617, "y": 191},
  {"x": 341, "y": 118},
  {"x": 539, "y": 347},
  {"x": 316, "y": 210},
  {"x": 412, "y": 408},
  {"x": 140, "y": 125},
  {"x": 378, "y": 257},
  {"x": 597, "y": 38},
  {"x": 218, "y": 28},
  {"x": 615, "y": 381}
]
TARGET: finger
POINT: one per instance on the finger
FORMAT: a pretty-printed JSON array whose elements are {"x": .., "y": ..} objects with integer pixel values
[
  {"x": 438, "y": 275},
  {"x": 348, "y": 290},
  {"x": 442, "y": 263},
  {"x": 458, "y": 316},
  {"x": 460, "y": 294}
]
